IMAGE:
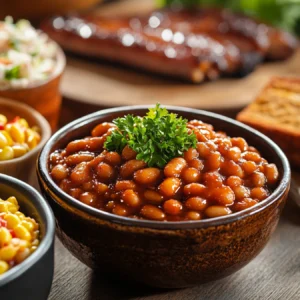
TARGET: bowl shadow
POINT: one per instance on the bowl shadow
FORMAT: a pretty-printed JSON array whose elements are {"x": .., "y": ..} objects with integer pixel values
[{"x": 112, "y": 287}]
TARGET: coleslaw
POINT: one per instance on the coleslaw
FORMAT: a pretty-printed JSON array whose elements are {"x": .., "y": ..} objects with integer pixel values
[{"x": 26, "y": 55}]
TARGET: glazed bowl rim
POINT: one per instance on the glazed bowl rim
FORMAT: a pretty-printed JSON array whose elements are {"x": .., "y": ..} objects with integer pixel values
[
  {"x": 59, "y": 68},
  {"x": 41, "y": 206},
  {"x": 46, "y": 179},
  {"x": 42, "y": 123}
]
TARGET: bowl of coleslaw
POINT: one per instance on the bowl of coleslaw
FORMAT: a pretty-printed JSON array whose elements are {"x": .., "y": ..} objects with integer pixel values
[{"x": 31, "y": 65}]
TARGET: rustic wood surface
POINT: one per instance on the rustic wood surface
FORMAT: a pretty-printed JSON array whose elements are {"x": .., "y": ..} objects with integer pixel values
[{"x": 113, "y": 85}]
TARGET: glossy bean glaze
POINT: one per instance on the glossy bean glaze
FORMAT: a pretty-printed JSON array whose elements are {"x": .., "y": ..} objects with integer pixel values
[{"x": 220, "y": 176}]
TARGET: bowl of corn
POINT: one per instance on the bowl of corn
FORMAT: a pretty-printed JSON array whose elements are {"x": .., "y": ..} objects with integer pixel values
[
  {"x": 19, "y": 234},
  {"x": 26, "y": 242},
  {"x": 23, "y": 132}
]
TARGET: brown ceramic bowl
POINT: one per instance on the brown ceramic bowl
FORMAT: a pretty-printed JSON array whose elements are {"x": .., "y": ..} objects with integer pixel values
[
  {"x": 43, "y": 96},
  {"x": 23, "y": 167},
  {"x": 164, "y": 254}
]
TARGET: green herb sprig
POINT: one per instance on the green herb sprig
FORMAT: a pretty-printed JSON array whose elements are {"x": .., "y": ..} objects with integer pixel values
[
  {"x": 13, "y": 73},
  {"x": 156, "y": 138},
  {"x": 282, "y": 13}
]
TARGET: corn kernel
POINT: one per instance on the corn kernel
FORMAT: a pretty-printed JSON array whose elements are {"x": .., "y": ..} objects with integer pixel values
[
  {"x": 3, "y": 266},
  {"x": 6, "y": 153},
  {"x": 35, "y": 234},
  {"x": 3, "y": 119},
  {"x": 23, "y": 244},
  {"x": 5, "y": 236},
  {"x": 8, "y": 137},
  {"x": 12, "y": 207},
  {"x": 13, "y": 200},
  {"x": 8, "y": 126},
  {"x": 17, "y": 133},
  {"x": 3, "y": 140},
  {"x": 33, "y": 222},
  {"x": 20, "y": 215},
  {"x": 31, "y": 138},
  {"x": 28, "y": 225},
  {"x": 12, "y": 220},
  {"x": 35, "y": 242},
  {"x": 19, "y": 150},
  {"x": 36, "y": 129},
  {"x": 7, "y": 253},
  {"x": 22, "y": 233},
  {"x": 23, "y": 122},
  {"x": 3, "y": 207},
  {"x": 33, "y": 248},
  {"x": 25, "y": 146},
  {"x": 21, "y": 255},
  {"x": 15, "y": 242}
]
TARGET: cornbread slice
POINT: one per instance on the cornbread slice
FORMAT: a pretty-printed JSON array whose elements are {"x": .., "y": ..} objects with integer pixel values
[{"x": 276, "y": 113}]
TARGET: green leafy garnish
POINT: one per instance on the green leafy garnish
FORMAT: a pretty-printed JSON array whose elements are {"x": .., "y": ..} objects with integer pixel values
[
  {"x": 156, "y": 138},
  {"x": 282, "y": 13},
  {"x": 13, "y": 73},
  {"x": 14, "y": 44}
]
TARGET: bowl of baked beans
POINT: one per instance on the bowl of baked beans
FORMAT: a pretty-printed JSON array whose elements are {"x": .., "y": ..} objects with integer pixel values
[
  {"x": 167, "y": 204},
  {"x": 26, "y": 241}
]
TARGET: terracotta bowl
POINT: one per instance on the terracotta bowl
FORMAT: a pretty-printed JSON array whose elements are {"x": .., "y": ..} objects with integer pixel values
[
  {"x": 32, "y": 278},
  {"x": 23, "y": 167},
  {"x": 164, "y": 254},
  {"x": 44, "y": 96}
]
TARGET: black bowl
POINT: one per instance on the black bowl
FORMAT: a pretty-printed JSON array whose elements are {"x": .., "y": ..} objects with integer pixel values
[{"x": 32, "y": 278}]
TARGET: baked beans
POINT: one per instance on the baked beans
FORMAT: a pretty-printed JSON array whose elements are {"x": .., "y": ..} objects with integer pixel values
[{"x": 221, "y": 176}]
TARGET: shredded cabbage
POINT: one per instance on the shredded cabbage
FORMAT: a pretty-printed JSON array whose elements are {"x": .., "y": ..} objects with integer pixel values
[{"x": 26, "y": 55}]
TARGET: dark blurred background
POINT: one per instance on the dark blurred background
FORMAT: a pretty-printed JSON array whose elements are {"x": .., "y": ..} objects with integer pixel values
[{"x": 282, "y": 13}]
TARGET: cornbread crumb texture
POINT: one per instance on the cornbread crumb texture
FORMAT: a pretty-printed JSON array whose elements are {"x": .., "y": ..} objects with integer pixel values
[
  {"x": 276, "y": 107},
  {"x": 276, "y": 113}
]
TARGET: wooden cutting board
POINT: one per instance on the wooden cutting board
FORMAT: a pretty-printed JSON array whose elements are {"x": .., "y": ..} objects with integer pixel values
[{"x": 100, "y": 83}]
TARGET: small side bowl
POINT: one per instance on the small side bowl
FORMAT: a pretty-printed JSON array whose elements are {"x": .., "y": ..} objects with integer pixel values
[
  {"x": 164, "y": 254},
  {"x": 23, "y": 167},
  {"x": 32, "y": 278},
  {"x": 43, "y": 96}
]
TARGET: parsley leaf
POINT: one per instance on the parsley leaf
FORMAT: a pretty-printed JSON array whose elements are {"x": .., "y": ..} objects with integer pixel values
[
  {"x": 157, "y": 138},
  {"x": 13, "y": 73}
]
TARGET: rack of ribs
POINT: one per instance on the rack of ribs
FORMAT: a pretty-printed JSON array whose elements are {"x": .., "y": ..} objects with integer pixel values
[{"x": 193, "y": 45}]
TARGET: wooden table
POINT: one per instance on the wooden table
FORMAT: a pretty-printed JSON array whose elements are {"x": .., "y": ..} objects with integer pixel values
[{"x": 273, "y": 274}]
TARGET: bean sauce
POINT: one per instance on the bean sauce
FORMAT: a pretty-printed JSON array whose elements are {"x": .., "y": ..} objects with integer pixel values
[{"x": 221, "y": 176}]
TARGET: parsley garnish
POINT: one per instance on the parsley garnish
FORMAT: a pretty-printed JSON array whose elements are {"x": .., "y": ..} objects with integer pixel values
[
  {"x": 14, "y": 44},
  {"x": 156, "y": 138},
  {"x": 13, "y": 73}
]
